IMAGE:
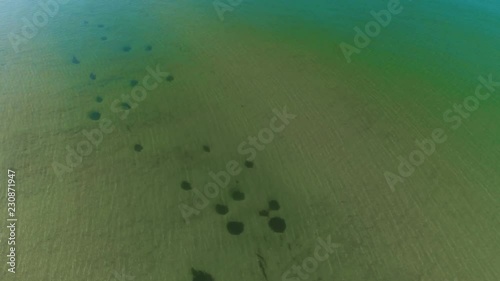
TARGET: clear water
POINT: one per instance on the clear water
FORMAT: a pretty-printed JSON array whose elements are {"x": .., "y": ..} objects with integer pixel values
[{"x": 116, "y": 214}]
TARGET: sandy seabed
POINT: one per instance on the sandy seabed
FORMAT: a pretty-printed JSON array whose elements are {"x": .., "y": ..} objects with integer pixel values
[{"x": 116, "y": 212}]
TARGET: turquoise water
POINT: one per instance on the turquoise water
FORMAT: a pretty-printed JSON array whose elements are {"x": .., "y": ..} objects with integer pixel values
[{"x": 428, "y": 37}]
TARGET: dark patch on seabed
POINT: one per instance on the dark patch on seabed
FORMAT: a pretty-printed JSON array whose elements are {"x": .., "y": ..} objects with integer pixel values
[
  {"x": 94, "y": 115},
  {"x": 249, "y": 164},
  {"x": 199, "y": 275},
  {"x": 238, "y": 195},
  {"x": 138, "y": 147},
  {"x": 125, "y": 106},
  {"x": 235, "y": 227},
  {"x": 186, "y": 185},
  {"x": 274, "y": 205},
  {"x": 277, "y": 224},
  {"x": 221, "y": 209}
]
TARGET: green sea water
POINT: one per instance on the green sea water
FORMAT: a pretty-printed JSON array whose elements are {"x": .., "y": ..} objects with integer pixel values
[
  {"x": 447, "y": 43},
  {"x": 116, "y": 215}
]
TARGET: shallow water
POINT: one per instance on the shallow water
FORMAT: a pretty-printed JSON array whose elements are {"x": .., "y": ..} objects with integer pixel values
[{"x": 122, "y": 210}]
